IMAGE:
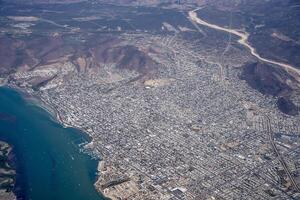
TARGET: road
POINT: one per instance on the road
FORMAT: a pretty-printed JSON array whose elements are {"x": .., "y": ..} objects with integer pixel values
[
  {"x": 244, "y": 41},
  {"x": 279, "y": 156}
]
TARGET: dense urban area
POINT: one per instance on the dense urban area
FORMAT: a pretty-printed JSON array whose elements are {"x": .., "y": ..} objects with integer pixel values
[{"x": 171, "y": 111}]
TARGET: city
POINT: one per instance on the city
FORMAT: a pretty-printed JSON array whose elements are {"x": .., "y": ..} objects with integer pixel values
[{"x": 168, "y": 105}]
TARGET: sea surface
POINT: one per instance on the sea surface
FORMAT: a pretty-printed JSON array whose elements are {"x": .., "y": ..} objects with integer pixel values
[{"x": 50, "y": 165}]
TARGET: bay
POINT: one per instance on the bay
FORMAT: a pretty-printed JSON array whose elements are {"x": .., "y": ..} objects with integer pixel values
[{"x": 50, "y": 165}]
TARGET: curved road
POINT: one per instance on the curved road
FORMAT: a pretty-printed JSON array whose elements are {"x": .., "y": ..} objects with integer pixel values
[{"x": 243, "y": 41}]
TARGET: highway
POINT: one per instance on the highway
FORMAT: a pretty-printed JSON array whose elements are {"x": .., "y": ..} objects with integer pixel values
[{"x": 280, "y": 158}]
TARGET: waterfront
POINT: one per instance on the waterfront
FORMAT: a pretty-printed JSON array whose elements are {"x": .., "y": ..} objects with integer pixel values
[{"x": 49, "y": 163}]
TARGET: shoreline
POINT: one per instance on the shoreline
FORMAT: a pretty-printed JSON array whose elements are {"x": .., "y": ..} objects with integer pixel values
[
  {"x": 55, "y": 116},
  {"x": 9, "y": 170}
]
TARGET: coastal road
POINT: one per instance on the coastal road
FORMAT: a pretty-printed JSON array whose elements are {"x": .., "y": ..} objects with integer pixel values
[{"x": 244, "y": 41}]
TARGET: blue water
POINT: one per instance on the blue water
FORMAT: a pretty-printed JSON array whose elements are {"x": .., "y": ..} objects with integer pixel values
[{"x": 49, "y": 163}]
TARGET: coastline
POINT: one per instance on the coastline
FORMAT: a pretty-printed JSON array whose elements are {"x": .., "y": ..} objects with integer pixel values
[
  {"x": 54, "y": 114},
  {"x": 8, "y": 171}
]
